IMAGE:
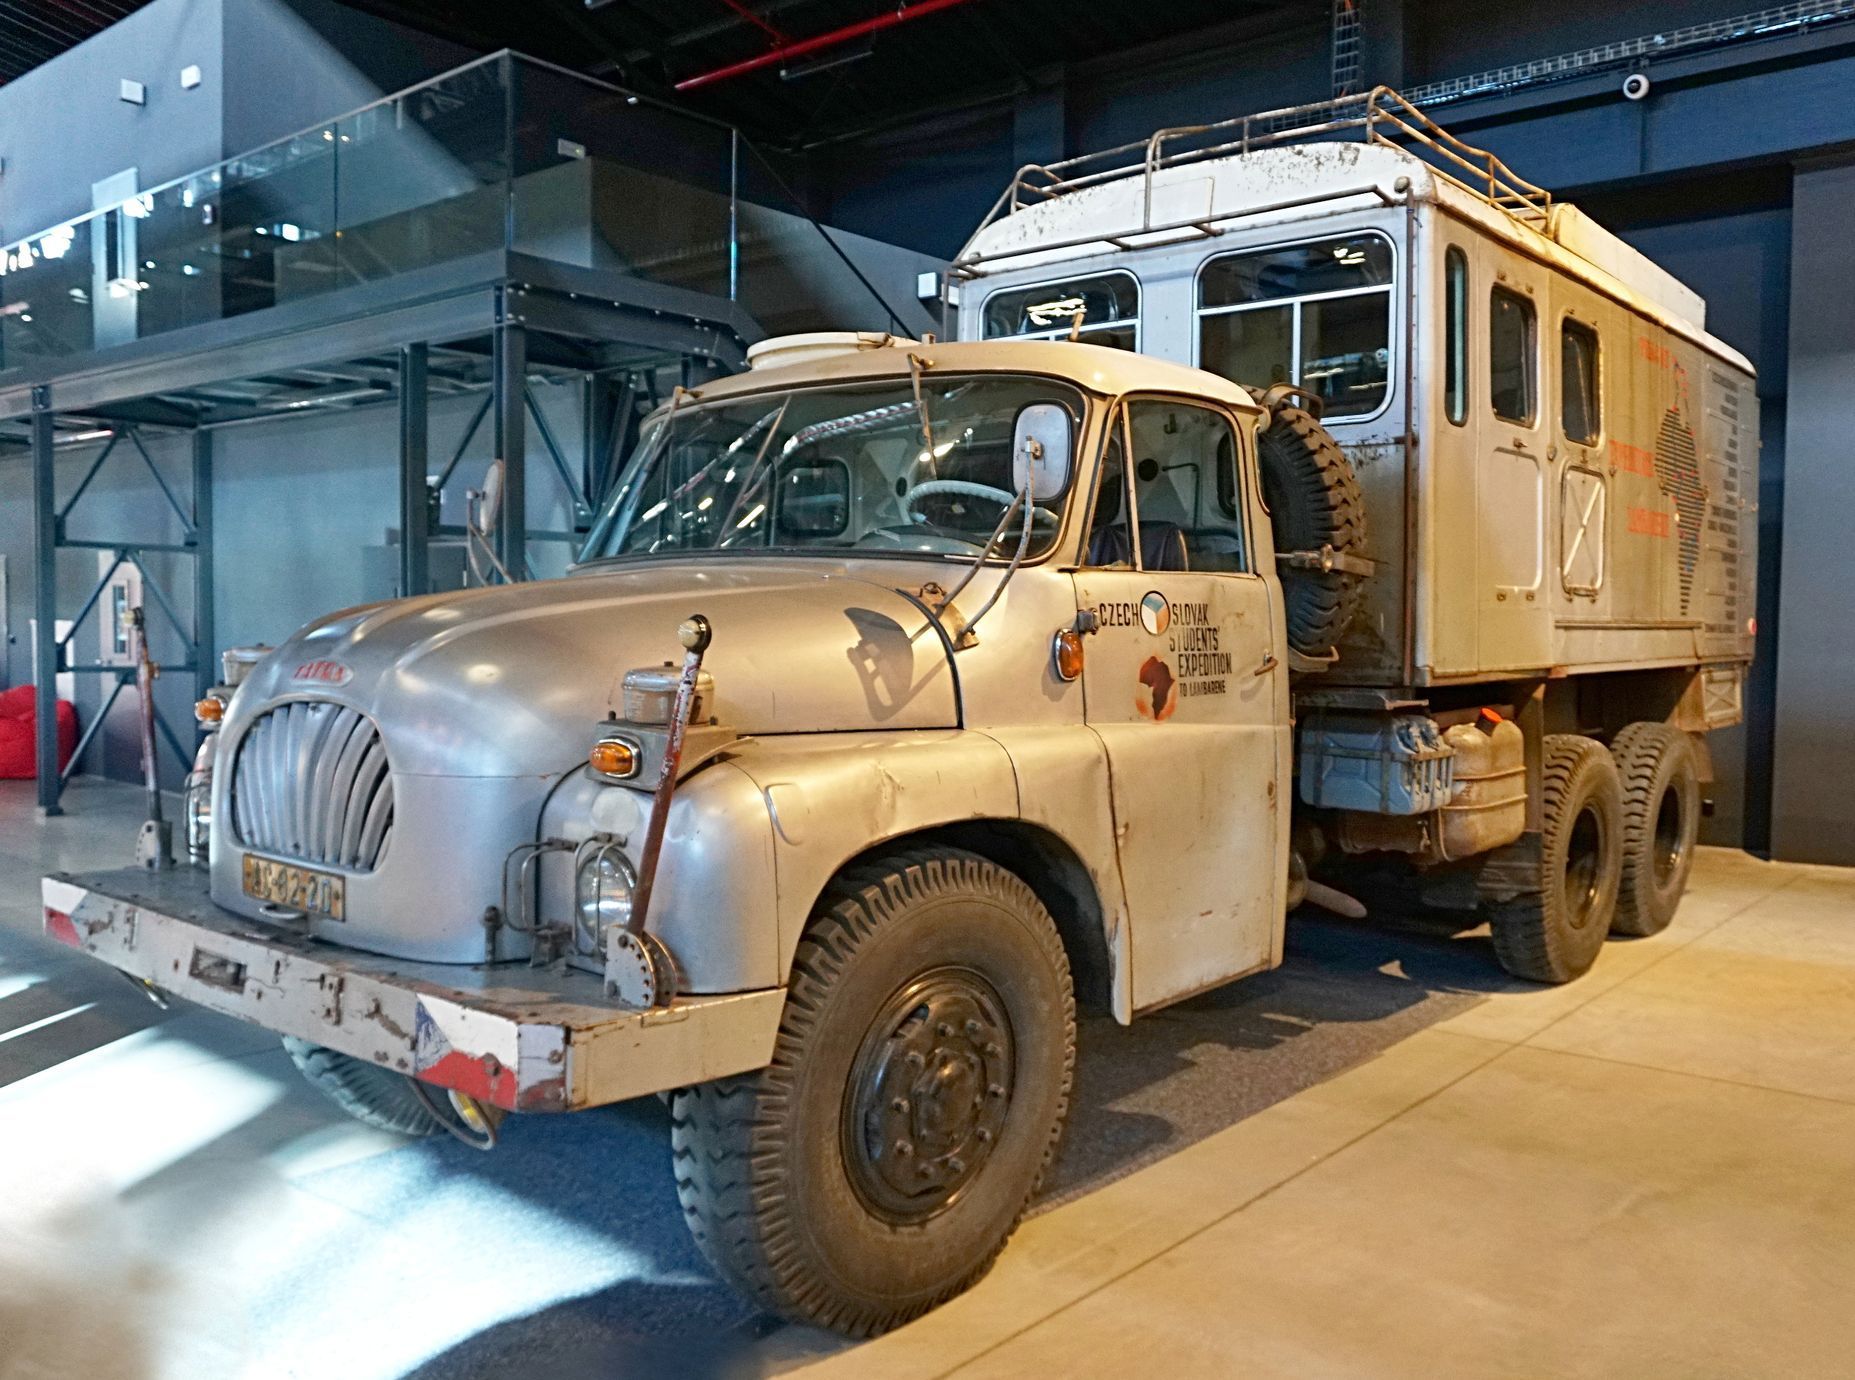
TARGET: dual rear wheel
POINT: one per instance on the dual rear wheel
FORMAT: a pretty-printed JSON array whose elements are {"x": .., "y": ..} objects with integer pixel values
[{"x": 1616, "y": 847}]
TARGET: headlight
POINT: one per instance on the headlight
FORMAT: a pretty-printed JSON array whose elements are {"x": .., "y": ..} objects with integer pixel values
[
  {"x": 602, "y": 893},
  {"x": 198, "y": 803}
]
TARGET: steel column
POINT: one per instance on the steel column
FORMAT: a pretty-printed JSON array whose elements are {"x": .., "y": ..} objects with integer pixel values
[
  {"x": 414, "y": 491},
  {"x": 205, "y": 645},
  {"x": 45, "y": 604},
  {"x": 511, "y": 369}
]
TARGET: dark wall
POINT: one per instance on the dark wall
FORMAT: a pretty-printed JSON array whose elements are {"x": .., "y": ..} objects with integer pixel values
[
  {"x": 294, "y": 62},
  {"x": 1814, "y": 769},
  {"x": 928, "y": 185},
  {"x": 1453, "y": 38}
]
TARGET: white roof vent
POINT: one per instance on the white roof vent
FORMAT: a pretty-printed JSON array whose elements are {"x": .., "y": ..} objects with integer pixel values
[{"x": 783, "y": 350}]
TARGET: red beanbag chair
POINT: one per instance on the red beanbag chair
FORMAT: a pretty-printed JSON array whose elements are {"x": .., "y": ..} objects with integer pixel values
[{"x": 18, "y": 757}]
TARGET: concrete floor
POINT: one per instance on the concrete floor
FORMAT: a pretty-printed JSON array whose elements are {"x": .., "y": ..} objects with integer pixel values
[{"x": 1383, "y": 1160}]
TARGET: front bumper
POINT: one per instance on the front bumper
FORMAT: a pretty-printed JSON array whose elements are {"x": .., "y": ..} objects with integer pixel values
[{"x": 520, "y": 1038}]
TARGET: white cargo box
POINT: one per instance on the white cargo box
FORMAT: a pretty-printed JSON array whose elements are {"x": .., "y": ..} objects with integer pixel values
[{"x": 1559, "y": 463}]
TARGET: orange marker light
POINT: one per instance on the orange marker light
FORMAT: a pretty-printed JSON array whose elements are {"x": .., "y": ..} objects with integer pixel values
[
  {"x": 209, "y": 710},
  {"x": 610, "y": 758},
  {"x": 1066, "y": 654}
]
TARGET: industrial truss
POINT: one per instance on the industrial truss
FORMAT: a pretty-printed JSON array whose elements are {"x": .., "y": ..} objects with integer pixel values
[{"x": 496, "y": 324}]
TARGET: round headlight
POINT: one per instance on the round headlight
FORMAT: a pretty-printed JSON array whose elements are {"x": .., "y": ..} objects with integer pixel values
[
  {"x": 198, "y": 803},
  {"x": 602, "y": 892}
]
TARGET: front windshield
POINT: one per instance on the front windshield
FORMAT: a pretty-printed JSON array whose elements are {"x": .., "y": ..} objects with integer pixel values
[{"x": 849, "y": 467}]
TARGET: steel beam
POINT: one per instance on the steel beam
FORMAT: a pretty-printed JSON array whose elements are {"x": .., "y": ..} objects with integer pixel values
[
  {"x": 510, "y": 365},
  {"x": 45, "y": 604},
  {"x": 414, "y": 501},
  {"x": 463, "y": 444},
  {"x": 205, "y": 643},
  {"x": 577, "y": 502},
  {"x": 91, "y": 729},
  {"x": 89, "y": 474}
]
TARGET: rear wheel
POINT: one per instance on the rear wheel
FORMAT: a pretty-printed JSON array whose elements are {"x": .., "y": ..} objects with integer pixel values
[
  {"x": 917, "y": 1094},
  {"x": 1553, "y": 934},
  {"x": 1661, "y": 820}
]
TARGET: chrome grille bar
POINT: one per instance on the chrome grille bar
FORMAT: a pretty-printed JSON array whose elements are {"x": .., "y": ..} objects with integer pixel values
[{"x": 312, "y": 782}]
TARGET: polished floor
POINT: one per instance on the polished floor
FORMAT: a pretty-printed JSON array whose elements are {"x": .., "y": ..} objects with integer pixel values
[{"x": 1383, "y": 1160}]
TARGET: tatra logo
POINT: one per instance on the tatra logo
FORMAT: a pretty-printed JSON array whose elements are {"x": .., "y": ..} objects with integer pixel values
[
  {"x": 323, "y": 672},
  {"x": 1155, "y": 613}
]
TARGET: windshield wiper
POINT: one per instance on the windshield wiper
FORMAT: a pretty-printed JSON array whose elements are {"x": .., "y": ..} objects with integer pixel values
[
  {"x": 751, "y": 483},
  {"x": 968, "y": 635}
]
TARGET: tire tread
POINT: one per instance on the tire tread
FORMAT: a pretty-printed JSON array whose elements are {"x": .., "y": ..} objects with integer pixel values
[
  {"x": 1528, "y": 931},
  {"x": 1641, "y": 749},
  {"x": 377, "y": 1096},
  {"x": 727, "y": 1136}
]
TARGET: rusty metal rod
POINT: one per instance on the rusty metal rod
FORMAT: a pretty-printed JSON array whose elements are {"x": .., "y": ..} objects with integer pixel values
[
  {"x": 145, "y": 673},
  {"x": 695, "y": 635}
]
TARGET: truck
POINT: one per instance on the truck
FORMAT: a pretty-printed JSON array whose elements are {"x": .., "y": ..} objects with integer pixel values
[{"x": 908, "y": 693}]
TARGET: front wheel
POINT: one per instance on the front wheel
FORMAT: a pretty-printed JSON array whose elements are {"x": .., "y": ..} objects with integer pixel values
[
  {"x": 916, "y": 1096},
  {"x": 375, "y": 1096}
]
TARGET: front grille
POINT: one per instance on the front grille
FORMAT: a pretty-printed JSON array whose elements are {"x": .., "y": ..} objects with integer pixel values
[{"x": 311, "y": 783}]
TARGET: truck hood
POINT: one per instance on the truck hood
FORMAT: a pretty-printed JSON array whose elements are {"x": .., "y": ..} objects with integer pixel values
[{"x": 509, "y": 681}]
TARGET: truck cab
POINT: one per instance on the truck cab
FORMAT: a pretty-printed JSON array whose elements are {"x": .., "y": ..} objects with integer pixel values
[{"x": 890, "y": 640}]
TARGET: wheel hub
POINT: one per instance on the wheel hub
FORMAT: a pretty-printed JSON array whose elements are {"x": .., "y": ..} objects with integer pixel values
[
  {"x": 1583, "y": 867},
  {"x": 928, "y": 1095},
  {"x": 1670, "y": 838}
]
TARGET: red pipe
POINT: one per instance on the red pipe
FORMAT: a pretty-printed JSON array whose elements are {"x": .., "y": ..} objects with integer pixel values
[
  {"x": 903, "y": 13},
  {"x": 758, "y": 21}
]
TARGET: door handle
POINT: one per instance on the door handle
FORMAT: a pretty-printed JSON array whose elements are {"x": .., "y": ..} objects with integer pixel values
[{"x": 1269, "y": 663}]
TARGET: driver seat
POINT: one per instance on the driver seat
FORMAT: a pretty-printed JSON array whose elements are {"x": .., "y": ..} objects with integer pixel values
[{"x": 1162, "y": 546}]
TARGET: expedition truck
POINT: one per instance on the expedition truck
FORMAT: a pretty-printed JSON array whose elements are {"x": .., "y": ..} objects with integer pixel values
[{"x": 908, "y": 693}]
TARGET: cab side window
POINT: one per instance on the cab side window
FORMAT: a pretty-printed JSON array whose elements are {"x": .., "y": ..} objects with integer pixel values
[
  {"x": 1456, "y": 335},
  {"x": 1580, "y": 414},
  {"x": 1100, "y": 310},
  {"x": 1513, "y": 353},
  {"x": 1185, "y": 492}
]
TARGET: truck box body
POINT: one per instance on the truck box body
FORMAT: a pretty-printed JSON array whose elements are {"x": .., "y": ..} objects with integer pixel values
[{"x": 1518, "y": 527}]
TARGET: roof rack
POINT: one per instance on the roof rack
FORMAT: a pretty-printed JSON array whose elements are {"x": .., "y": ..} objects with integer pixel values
[{"x": 1378, "y": 116}]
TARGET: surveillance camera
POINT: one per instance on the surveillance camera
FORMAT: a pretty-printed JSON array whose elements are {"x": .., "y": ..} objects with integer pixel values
[{"x": 1635, "y": 86}]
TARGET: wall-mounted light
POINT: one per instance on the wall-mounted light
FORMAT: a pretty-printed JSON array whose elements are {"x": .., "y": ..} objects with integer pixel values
[
  {"x": 133, "y": 92},
  {"x": 189, "y": 76}
]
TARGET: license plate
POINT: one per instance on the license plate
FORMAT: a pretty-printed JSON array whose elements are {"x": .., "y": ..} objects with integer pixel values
[{"x": 298, "y": 888}]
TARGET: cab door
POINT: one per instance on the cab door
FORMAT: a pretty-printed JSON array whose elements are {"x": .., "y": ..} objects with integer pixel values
[{"x": 1185, "y": 685}]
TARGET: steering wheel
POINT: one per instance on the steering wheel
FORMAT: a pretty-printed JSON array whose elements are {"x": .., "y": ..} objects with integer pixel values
[{"x": 966, "y": 488}]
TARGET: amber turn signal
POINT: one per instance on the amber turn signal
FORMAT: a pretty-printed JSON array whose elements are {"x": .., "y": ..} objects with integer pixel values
[
  {"x": 209, "y": 710},
  {"x": 1066, "y": 654},
  {"x": 611, "y": 758}
]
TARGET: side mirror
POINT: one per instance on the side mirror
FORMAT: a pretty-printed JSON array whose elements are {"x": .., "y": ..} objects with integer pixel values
[
  {"x": 1040, "y": 446},
  {"x": 489, "y": 499}
]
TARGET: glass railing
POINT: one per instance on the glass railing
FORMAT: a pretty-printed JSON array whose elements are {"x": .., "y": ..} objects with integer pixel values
[{"x": 504, "y": 152}]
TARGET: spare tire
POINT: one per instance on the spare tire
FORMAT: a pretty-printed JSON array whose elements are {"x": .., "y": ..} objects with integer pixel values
[{"x": 1314, "y": 502}]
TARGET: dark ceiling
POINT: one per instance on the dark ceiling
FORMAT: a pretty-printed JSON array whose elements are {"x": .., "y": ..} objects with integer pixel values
[
  {"x": 950, "y": 53},
  {"x": 953, "y": 52}
]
